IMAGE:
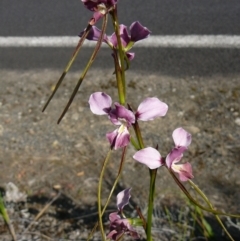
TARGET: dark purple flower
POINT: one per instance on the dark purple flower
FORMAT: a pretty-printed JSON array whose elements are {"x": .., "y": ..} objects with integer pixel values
[
  {"x": 137, "y": 33},
  {"x": 100, "y": 104},
  {"x": 121, "y": 225},
  {"x": 99, "y": 7},
  {"x": 93, "y": 4}
]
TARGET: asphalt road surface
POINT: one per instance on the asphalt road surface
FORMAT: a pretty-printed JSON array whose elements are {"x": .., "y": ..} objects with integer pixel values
[{"x": 168, "y": 17}]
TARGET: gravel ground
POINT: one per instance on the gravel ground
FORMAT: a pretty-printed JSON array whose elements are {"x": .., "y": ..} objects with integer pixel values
[{"x": 37, "y": 155}]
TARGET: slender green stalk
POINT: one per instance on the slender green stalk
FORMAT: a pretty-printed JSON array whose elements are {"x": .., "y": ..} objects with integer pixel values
[
  {"x": 153, "y": 174},
  {"x": 4, "y": 213},
  {"x": 92, "y": 58},
  {"x": 112, "y": 190},
  {"x": 200, "y": 192},
  {"x": 69, "y": 64},
  {"x": 120, "y": 55},
  {"x": 120, "y": 86},
  {"x": 138, "y": 135},
  {"x": 191, "y": 199},
  {"x": 99, "y": 194}
]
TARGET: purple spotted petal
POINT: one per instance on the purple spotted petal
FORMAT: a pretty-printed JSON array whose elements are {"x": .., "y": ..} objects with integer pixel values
[
  {"x": 138, "y": 32},
  {"x": 124, "y": 114},
  {"x": 123, "y": 198},
  {"x": 149, "y": 156},
  {"x": 118, "y": 138},
  {"x": 100, "y": 103},
  {"x": 181, "y": 137},
  {"x": 151, "y": 108}
]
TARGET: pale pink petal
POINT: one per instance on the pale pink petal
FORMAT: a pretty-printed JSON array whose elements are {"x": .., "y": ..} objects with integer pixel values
[
  {"x": 184, "y": 171},
  {"x": 113, "y": 217},
  {"x": 151, "y": 108},
  {"x": 114, "y": 234},
  {"x": 149, "y": 156},
  {"x": 181, "y": 137},
  {"x": 123, "y": 198},
  {"x": 100, "y": 103}
]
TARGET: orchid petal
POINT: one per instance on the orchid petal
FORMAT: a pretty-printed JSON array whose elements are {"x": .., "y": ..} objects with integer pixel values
[
  {"x": 151, "y": 108},
  {"x": 123, "y": 198},
  {"x": 181, "y": 137},
  {"x": 130, "y": 55},
  {"x": 149, "y": 156},
  {"x": 100, "y": 103},
  {"x": 113, "y": 39},
  {"x": 125, "y": 39},
  {"x": 119, "y": 138},
  {"x": 94, "y": 34},
  {"x": 138, "y": 32},
  {"x": 184, "y": 171},
  {"x": 113, "y": 217},
  {"x": 174, "y": 156},
  {"x": 123, "y": 113}
]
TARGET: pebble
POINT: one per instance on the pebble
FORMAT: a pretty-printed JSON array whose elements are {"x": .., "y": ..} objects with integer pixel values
[
  {"x": 237, "y": 121},
  {"x": 1, "y": 130}
]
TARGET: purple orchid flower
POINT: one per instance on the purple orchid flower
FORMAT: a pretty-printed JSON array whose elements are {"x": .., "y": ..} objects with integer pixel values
[
  {"x": 99, "y": 7},
  {"x": 119, "y": 225},
  {"x": 182, "y": 140},
  {"x": 152, "y": 158},
  {"x": 100, "y": 104},
  {"x": 137, "y": 33}
]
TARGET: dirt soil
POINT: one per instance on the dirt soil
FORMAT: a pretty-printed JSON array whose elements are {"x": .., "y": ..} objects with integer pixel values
[{"x": 36, "y": 154}]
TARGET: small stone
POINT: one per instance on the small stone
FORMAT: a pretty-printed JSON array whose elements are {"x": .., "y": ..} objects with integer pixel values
[
  {"x": 55, "y": 144},
  {"x": 237, "y": 121},
  {"x": 180, "y": 114},
  {"x": 1, "y": 130},
  {"x": 192, "y": 97},
  {"x": 193, "y": 129},
  {"x": 75, "y": 116}
]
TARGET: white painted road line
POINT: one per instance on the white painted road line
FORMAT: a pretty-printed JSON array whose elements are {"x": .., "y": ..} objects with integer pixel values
[{"x": 166, "y": 41}]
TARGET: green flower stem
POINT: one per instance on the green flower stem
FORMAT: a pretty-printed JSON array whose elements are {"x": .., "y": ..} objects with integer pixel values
[
  {"x": 191, "y": 199},
  {"x": 4, "y": 213},
  {"x": 200, "y": 192},
  {"x": 120, "y": 55},
  {"x": 120, "y": 86},
  {"x": 112, "y": 190},
  {"x": 153, "y": 174},
  {"x": 117, "y": 178},
  {"x": 92, "y": 58},
  {"x": 99, "y": 194},
  {"x": 134, "y": 143},
  {"x": 138, "y": 135}
]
